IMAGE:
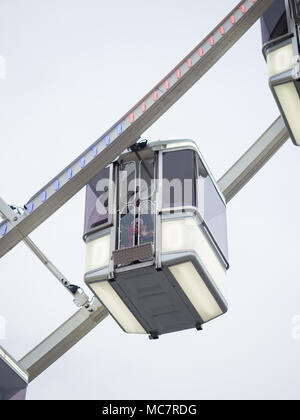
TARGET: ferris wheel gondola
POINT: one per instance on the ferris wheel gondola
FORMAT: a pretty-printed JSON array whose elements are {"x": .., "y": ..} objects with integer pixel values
[{"x": 157, "y": 259}]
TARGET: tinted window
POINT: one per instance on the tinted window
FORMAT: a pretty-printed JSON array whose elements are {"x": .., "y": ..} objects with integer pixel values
[
  {"x": 136, "y": 206},
  {"x": 146, "y": 222},
  {"x": 179, "y": 187},
  {"x": 212, "y": 208},
  {"x": 146, "y": 202},
  {"x": 147, "y": 176},
  {"x": 127, "y": 204},
  {"x": 297, "y": 10},
  {"x": 127, "y": 184},
  {"x": 274, "y": 22},
  {"x": 96, "y": 204}
]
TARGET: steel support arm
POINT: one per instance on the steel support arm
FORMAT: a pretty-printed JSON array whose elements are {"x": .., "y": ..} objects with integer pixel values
[
  {"x": 80, "y": 298},
  {"x": 61, "y": 340},
  {"x": 254, "y": 159}
]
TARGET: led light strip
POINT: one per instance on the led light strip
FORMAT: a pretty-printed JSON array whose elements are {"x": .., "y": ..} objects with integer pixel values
[{"x": 139, "y": 118}]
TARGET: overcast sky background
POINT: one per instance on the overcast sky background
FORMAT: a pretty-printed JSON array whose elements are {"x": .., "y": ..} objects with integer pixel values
[{"x": 75, "y": 67}]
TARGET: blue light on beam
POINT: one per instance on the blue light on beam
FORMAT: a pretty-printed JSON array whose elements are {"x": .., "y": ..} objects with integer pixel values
[
  {"x": 56, "y": 185},
  {"x": 4, "y": 229},
  {"x": 44, "y": 196},
  {"x": 30, "y": 207}
]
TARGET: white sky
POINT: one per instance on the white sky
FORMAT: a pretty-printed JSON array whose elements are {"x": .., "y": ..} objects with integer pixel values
[{"x": 74, "y": 67}]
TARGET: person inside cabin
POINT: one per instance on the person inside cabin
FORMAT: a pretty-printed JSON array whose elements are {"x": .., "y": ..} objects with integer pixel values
[
  {"x": 138, "y": 229},
  {"x": 146, "y": 229}
]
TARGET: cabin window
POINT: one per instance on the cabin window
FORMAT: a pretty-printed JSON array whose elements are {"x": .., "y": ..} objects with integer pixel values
[
  {"x": 127, "y": 204},
  {"x": 297, "y": 10},
  {"x": 212, "y": 208},
  {"x": 146, "y": 207},
  {"x": 97, "y": 198},
  {"x": 136, "y": 205},
  {"x": 274, "y": 22},
  {"x": 179, "y": 181}
]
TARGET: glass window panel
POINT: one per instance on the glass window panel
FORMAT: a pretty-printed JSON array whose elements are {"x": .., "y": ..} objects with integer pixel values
[
  {"x": 297, "y": 8},
  {"x": 127, "y": 228},
  {"x": 274, "y": 22},
  {"x": 212, "y": 208},
  {"x": 137, "y": 211},
  {"x": 147, "y": 176},
  {"x": 96, "y": 204},
  {"x": 146, "y": 222},
  {"x": 127, "y": 183},
  {"x": 179, "y": 187},
  {"x": 127, "y": 204}
]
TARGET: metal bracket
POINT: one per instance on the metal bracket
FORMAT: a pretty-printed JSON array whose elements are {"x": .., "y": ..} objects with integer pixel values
[{"x": 7, "y": 213}]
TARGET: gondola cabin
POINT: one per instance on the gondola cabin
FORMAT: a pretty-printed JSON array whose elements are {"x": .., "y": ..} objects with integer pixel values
[
  {"x": 281, "y": 47},
  {"x": 156, "y": 239}
]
